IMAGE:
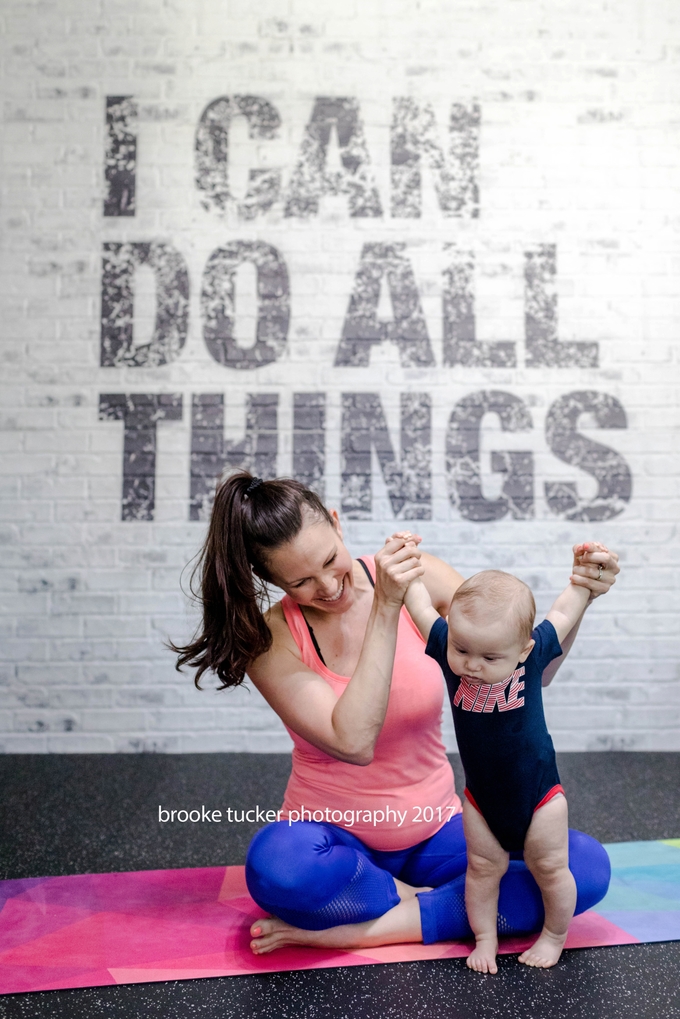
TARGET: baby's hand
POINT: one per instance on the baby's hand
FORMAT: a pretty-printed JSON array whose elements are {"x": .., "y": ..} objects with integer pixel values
[{"x": 406, "y": 538}]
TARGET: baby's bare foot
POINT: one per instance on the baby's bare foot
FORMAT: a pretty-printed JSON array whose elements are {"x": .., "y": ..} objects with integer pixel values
[
  {"x": 546, "y": 951},
  {"x": 482, "y": 958}
]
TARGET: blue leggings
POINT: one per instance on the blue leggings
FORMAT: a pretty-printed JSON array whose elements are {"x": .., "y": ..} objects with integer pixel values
[{"x": 315, "y": 875}]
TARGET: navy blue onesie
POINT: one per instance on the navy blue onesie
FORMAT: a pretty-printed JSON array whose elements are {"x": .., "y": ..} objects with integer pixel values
[{"x": 504, "y": 743}]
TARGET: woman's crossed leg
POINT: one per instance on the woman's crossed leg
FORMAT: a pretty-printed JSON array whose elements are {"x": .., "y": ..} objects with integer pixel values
[{"x": 325, "y": 888}]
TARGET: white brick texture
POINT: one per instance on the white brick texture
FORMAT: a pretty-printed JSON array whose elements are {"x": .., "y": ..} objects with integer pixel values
[{"x": 423, "y": 254}]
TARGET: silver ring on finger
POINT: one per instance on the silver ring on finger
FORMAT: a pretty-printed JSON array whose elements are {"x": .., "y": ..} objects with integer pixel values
[{"x": 600, "y": 571}]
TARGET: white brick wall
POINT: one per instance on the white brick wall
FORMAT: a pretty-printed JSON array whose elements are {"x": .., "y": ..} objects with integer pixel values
[{"x": 579, "y": 147}]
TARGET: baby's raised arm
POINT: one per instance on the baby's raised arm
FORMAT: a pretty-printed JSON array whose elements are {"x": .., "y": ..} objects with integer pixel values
[
  {"x": 568, "y": 607},
  {"x": 420, "y": 607}
]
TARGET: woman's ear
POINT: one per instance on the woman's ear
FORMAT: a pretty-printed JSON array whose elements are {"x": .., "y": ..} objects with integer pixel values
[{"x": 336, "y": 522}]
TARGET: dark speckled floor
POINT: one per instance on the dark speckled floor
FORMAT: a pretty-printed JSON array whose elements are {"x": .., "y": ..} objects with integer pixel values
[{"x": 77, "y": 813}]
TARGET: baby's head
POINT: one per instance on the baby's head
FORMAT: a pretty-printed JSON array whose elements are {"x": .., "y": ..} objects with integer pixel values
[{"x": 490, "y": 622}]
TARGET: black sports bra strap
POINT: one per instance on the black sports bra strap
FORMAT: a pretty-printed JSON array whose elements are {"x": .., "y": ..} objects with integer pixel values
[
  {"x": 314, "y": 640},
  {"x": 367, "y": 571}
]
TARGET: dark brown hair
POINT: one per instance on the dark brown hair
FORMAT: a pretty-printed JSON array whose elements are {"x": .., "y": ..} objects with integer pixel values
[{"x": 248, "y": 520}]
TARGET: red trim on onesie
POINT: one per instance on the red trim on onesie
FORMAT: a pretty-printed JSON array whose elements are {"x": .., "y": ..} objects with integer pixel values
[
  {"x": 555, "y": 791},
  {"x": 468, "y": 796}
]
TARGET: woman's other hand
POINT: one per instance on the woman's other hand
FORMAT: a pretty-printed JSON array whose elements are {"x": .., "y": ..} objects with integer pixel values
[
  {"x": 594, "y": 567},
  {"x": 396, "y": 565}
]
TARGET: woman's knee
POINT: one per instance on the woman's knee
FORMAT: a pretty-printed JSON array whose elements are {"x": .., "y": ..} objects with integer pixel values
[
  {"x": 283, "y": 854},
  {"x": 298, "y": 861},
  {"x": 589, "y": 863},
  {"x": 271, "y": 845}
]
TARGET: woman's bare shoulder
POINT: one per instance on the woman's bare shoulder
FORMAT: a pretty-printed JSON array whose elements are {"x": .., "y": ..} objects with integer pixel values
[
  {"x": 274, "y": 615},
  {"x": 283, "y": 647},
  {"x": 441, "y": 581},
  {"x": 299, "y": 696},
  {"x": 276, "y": 621}
]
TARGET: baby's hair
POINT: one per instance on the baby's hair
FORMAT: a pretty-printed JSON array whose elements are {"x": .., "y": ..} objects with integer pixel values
[{"x": 500, "y": 591}]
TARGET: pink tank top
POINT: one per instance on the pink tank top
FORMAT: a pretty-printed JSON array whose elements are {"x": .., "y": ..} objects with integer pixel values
[{"x": 406, "y": 793}]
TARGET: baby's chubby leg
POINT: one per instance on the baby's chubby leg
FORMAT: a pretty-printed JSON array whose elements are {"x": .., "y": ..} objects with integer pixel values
[
  {"x": 546, "y": 854},
  {"x": 487, "y": 863}
]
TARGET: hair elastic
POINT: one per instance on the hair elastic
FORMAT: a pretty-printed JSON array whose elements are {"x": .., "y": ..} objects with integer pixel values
[{"x": 255, "y": 483}]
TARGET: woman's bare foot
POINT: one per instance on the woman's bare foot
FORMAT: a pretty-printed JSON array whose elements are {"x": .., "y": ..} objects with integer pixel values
[
  {"x": 482, "y": 958},
  {"x": 546, "y": 951},
  {"x": 274, "y": 933},
  {"x": 401, "y": 923}
]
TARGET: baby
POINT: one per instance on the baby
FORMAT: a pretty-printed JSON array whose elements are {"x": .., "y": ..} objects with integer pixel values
[{"x": 493, "y": 661}]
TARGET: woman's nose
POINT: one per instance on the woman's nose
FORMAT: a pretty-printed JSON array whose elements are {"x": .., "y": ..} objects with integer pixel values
[{"x": 329, "y": 586}]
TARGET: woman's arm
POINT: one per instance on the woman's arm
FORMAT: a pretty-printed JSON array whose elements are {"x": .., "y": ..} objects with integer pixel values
[
  {"x": 348, "y": 726},
  {"x": 441, "y": 581}
]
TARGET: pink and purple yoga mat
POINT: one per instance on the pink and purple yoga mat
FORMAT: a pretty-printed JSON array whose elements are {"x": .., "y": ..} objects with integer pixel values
[{"x": 91, "y": 930}]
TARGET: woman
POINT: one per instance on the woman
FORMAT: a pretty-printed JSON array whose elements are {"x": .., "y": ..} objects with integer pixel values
[{"x": 342, "y": 665}]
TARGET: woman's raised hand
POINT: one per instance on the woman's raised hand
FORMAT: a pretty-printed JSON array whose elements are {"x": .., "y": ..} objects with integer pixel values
[
  {"x": 594, "y": 567},
  {"x": 396, "y": 565}
]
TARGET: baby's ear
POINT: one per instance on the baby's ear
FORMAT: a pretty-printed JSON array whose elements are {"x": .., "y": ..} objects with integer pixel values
[{"x": 527, "y": 651}]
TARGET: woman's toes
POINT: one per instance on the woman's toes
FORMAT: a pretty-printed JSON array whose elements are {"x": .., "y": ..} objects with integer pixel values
[
  {"x": 261, "y": 932},
  {"x": 271, "y": 933},
  {"x": 264, "y": 944}
]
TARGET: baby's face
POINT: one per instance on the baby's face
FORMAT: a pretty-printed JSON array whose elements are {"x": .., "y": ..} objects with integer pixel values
[{"x": 482, "y": 647}]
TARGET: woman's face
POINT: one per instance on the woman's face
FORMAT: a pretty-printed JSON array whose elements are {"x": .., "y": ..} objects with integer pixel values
[{"x": 315, "y": 568}]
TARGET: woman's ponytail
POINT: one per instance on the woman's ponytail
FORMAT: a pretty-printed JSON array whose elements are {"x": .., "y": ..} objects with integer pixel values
[{"x": 249, "y": 517}]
